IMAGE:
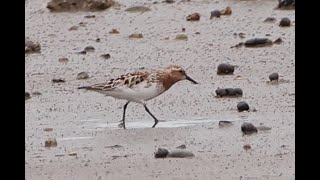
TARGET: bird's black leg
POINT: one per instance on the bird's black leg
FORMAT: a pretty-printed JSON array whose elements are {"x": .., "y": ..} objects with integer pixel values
[
  {"x": 155, "y": 119},
  {"x": 122, "y": 124}
]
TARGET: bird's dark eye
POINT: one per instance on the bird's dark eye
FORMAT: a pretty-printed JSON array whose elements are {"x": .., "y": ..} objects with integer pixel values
[{"x": 181, "y": 71}]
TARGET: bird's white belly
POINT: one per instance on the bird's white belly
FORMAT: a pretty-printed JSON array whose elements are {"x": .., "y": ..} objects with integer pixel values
[{"x": 138, "y": 94}]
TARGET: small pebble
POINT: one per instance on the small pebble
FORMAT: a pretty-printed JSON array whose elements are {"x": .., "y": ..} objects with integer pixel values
[
  {"x": 31, "y": 47},
  {"x": 225, "y": 123},
  {"x": 161, "y": 153},
  {"x": 226, "y": 11},
  {"x": 36, "y": 93},
  {"x": 242, "y": 106},
  {"x": 183, "y": 146},
  {"x": 89, "y": 16},
  {"x": 285, "y": 22},
  {"x": 63, "y": 60},
  {"x": 135, "y": 9},
  {"x": 83, "y": 75},
  {"x": 247, "y": 147},
  {"x": 229, "y": 92},
  {"x": 136, "y": 35},
  {"x": 221, "y": 92},
  {"x": 270, "y": 19},
  {"x": 105, "y": 56},
  {"x": 238, "y": 91},
  {"x": 73, "y": 28},
  {"x": 82, "y": 52},
  {"x": 58, "y": 80},
  {"x": 169, "y": 1},
  {"x": 274, "y": 77},
  {"x": 248, "y": 128},
  {"x": 241, "y": 35},
  {"x": 82, "y": 24},
  {"x": 48, "y": 129},
  {"x": 50, "y": 143},
  {"x": 225, "y": 68},
  {"x": 193, "y": 17},
  {"x": 286, "y": 4},
  {"x": 180, "y": 154},
  {"x": 73, "y": 154},
  {"x": 89, "y": 49},
  {"x": 258, "y": 42},
  {"x": 114, "y": 31},
  {"x": 181, "y": 37},
  {"x": 27, "y": 96},
  {"x": 215, "y": 14}
]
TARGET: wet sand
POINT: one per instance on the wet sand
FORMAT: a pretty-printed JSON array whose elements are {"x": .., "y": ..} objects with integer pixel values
[{"x": 85, "y": 123}]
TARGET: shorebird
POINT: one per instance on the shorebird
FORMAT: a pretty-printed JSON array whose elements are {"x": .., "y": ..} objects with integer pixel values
[{"x": 141, "y": 86}]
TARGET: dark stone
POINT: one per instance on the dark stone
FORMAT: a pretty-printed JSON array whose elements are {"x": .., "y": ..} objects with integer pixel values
[
  {"x": 31, "y": 47},
  {"x": 285, "y": 22},
  {"x": 50, "y": 143},
  {"x": 180, "y": 154},
  {"x": 58, "y": 80},
  {"x": 225, "y": 68},
  {"x": 169, "y": 1},
  {"x": 89, "y": 16},
  {"x": 258, "y": 42},
  {"x": 231, "y": 92},
  {"x": 79, "y": 5},
  {"x": 114, "y": 31},
  {"x": 238, "y": 91},
  {"x": 248, "y": 128},
  {"x": 106, "y": 56},
  {"x": 270, "y": 19},
  {"x": 242, "y": 106},
  {"x": 135, "y": 9},
  {"x": 215, "y": 13},
  {"x": 183, "y": 146},
  {"x": 82, "y": 52},
  {"x": 274, "y": 77},
  {"x": 27, "y": 96},
  {"x": 161, "y": 153},
  {"x": 63, "y": 60},
  {"x": 89, "y": 49},
  {"x": 193, "y": 17},
  {"x": 221, "y": 92},
  {"x": 286, "y": 4},
  {"x": 225, "y": 123},
  {"x": 247, "y": 147}
]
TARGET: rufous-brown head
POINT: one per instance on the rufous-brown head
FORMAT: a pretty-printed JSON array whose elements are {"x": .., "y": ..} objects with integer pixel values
[{"x": 175, "y": 73}]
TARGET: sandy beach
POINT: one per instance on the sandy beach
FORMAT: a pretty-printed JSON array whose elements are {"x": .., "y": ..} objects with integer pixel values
[{"x": 90, "y": 145}]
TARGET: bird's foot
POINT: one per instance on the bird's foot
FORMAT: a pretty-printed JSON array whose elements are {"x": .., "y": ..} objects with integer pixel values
[{"x": 121, "y": 125}]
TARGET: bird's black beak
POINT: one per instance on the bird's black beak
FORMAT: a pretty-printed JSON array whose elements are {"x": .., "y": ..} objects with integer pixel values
[{"x": 189, "y": 79}]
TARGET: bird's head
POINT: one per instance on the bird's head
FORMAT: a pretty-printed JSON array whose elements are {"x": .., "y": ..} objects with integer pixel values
[{"x": 177, "y": 73}]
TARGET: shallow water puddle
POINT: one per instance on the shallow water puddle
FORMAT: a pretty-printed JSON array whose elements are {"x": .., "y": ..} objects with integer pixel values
[{"x": 161, "y": 124}]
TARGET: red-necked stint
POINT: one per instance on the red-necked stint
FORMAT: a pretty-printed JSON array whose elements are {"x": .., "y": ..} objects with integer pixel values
[{"x": 141, "y": 86}]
